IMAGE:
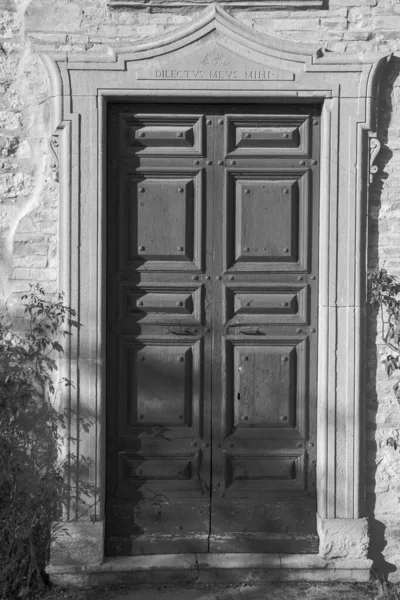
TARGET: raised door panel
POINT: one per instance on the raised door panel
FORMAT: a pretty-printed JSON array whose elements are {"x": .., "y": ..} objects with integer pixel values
[
  {"x": 163, "y": 384},
  {"x": 270, "y": 303},
  {"x": 276, "y": 524},
  {"x": 161, "y": 217},
  {"x": 160, "y": 304},
  {"x": 264, "y": 390},
  {"x": 267, "y": 216},
  {"x": 158, "y": 526},
  {"x": 268, "y": 135},
  {"x": 161, "y": 134}
]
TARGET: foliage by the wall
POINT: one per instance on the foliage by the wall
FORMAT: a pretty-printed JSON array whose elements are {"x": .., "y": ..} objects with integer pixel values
[
  {"x": 384, "y": 294},
  {"x": 32, "y": 485}
]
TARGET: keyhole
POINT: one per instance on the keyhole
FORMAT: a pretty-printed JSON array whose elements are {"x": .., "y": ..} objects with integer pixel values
[{"x": 238, "y": 396}]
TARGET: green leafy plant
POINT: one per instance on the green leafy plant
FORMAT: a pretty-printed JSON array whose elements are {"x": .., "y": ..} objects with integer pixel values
[
  {"x": 383, "y": 293},
  {"x": 32, "y": 482}
]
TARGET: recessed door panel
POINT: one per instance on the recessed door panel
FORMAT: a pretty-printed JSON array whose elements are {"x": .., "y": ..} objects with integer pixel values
[{"x": 212, "y": 328}]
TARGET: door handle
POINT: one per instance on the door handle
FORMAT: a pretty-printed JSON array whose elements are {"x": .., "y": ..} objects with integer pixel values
[
  {"x": 182, "y": 332},
  {"x": 251, "y": 331}
]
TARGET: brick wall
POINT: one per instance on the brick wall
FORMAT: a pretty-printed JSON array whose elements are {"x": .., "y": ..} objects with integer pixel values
[{"x": 29, "y": 196}]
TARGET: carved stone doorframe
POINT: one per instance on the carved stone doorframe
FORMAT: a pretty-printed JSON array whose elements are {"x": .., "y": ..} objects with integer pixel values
[{"x": 265, "y": 69}]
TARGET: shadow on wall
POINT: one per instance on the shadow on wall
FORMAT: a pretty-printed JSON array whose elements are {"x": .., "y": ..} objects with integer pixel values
[{"x": 377, "y": 387}]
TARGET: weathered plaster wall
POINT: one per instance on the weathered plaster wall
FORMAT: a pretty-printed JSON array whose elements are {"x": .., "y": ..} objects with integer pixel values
[{"x": 29, "y": 195}]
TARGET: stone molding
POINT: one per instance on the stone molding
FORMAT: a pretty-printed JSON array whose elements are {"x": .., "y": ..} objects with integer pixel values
[
  {"x": 242, "y": 4},
  {"x": 346, "y": 87}
]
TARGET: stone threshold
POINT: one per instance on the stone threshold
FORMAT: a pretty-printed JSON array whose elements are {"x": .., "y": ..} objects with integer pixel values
[{"x": 205, "y": 568}]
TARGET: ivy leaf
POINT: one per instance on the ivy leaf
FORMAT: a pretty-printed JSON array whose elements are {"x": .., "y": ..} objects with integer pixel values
[
  {"x": 57, "y": 346},
  {"x": 396, "y": 389},
  {"x": 390, "y": 365}
]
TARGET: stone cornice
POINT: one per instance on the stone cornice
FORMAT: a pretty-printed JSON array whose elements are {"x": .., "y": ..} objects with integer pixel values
[{"x": 260, "y": 4}]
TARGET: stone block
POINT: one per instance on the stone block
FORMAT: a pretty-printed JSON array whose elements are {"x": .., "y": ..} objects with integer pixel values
[
  {"x": 77, "y": 543},
  {"x": 50, "y": 38},
  {"x": 328, "y": 575},
  {"x": 7, "y": 5},
  {"x": 296, "y": 24},
  {"x": 302, "y": 561},
  {"x": 77, "y": 38},
  {"x": 387, "y": 503},
  {"x": 353, "y": 3},
  {"x": 246, "y": 577},
  {"x": 70, "y": 579},
  {"x": 21, "y": 286},
  {"x": 240, "y": 568},
  {"x": 357, "y": 35},
  {"x": 26, "y": 249},
  {"x": 148, "y": 562},
  {"x": 53, "y": 15},
  {"x": 333, "y": 35},
  {"x": 239, "y": 561},
  {"x": 334, "y": 24},
  {"x": 343, "y": 538},
  {"x": 337, "y": 46},
  {"x": 34, "y": 274},
  {"x": 390, "y": 22},
  {"x": 31, "y": 261}
]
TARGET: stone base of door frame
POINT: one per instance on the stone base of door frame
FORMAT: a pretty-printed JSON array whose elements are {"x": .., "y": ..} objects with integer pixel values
[
  {"x": 212, "y": 568},
  {"x": 77, "y": 558}
]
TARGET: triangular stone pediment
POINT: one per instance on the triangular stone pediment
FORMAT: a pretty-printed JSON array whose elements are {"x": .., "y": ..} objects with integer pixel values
[{"x": 217, "y": 46}]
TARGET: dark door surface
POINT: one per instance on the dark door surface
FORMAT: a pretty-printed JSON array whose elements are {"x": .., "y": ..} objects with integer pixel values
[{"x": 212, "y": 318}]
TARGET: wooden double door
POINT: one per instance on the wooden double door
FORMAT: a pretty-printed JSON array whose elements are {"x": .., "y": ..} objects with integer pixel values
[{"x": 212, "y": 328}]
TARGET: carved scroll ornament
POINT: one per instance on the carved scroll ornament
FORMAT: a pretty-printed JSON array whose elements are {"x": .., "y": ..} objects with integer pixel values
[
  {"x": 374, "y": 148},
  {"x": 54, "y": 144}
]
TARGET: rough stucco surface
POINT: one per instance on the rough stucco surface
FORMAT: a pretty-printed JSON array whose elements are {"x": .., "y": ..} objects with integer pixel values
[{"x": 29, "y": 195}]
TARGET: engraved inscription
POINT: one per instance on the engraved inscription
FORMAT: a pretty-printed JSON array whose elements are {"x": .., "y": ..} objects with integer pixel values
[{"x": 216, "y": 74}]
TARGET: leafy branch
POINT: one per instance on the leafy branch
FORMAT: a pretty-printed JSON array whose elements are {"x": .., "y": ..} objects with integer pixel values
[
  {"x": 33, "y": 482},
  {"x": 384, "y": 294}
]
